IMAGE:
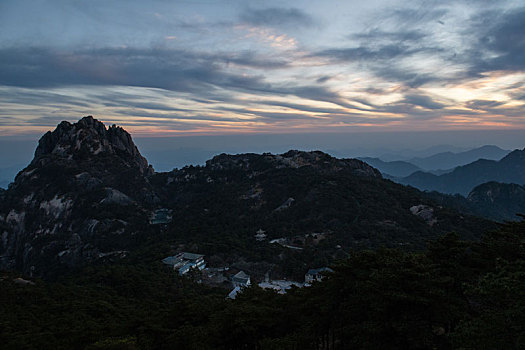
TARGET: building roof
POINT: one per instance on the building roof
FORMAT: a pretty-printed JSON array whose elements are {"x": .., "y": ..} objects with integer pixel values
[
  {"x": 192, "y": 256},
  {"x": 186, "y": 267},
  {"x": 241, "y": 274},
  {"x": 241, "y": 277},
  {"x": 180, "y": 258},
  {"x": 171, "y": 260},
  {"x": 233, "y": 293}
]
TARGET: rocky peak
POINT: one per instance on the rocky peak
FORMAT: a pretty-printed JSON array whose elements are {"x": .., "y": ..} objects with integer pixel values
[
  {"x": 62, "y": 205},
  {"x": 87, "y": 139}
]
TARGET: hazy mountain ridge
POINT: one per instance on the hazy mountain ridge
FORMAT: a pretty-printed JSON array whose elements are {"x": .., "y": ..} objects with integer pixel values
[
  {"x": 394, "y": 168},
  {"x": 450, "y": 160},
  {"x": 510, "y": 169},
  {"x": 436, "y": 164}
]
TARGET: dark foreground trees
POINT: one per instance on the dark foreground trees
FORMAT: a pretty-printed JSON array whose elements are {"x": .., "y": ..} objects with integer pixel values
[{"x": 455, "y": 295}]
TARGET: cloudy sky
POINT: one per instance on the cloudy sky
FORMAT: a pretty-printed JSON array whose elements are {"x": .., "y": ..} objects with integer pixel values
[{"x": 168, "y": 67}]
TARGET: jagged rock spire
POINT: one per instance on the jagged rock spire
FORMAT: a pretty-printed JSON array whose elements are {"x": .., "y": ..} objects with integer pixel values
[{"x": 87, "y": 139}]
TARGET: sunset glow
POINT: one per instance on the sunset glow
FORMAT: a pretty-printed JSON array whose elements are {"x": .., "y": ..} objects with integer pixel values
[{"x": 171, "y": 68}]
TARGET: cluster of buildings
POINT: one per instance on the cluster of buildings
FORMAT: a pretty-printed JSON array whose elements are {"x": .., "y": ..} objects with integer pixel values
[
  {"x": 184, "y": 262},
  {"x": 282, "y": 286}
]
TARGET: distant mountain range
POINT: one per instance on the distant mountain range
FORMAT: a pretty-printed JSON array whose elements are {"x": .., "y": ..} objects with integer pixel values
[
  {"x": 397, "y": 168},
  {"x": 437, "y": 164},
  {"x": 484, "y": 187},
  {"x": 450, "y": 160},
  {"x": 463, "y": 179}
]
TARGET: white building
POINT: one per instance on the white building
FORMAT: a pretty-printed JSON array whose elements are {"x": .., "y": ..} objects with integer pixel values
[
  {"x": 316, "y": 274},
  {"x": 241, "y": 279},
  {"x": 260, "y": 235},
  {"x": 184, "y": 262}
]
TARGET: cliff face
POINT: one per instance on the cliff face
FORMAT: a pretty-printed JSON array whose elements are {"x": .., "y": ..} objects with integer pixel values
[
  {"x": 500, "y": 201},
  {"x": 87, "y": 140},
  {"x": 56, "y": 211}
]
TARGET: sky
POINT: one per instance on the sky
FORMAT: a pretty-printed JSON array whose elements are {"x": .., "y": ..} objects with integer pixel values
[
  {"x": 202, "y": 67},
  {"x": 190, "y": 79}
]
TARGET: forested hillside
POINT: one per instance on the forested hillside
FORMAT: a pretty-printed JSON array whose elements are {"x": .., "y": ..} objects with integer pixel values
[{"x": 457, "y": 294}]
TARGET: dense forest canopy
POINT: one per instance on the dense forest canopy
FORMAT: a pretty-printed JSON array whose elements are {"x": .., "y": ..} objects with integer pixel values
[{"x": 455, "y": 295}]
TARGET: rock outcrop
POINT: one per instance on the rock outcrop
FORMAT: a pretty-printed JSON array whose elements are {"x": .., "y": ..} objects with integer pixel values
[
  {"x": 81, "y": 173},
  {"x": 501, "y": 201},
  {"x": 87, "y": 139},
  {"x": 291, "y": 159}
]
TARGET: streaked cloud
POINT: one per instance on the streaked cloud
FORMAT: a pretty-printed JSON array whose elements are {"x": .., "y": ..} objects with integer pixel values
[
  {"x": 276, "y": 17},
  {"x": 218, "y": 67},
  {"x": 422, "y": 101}
]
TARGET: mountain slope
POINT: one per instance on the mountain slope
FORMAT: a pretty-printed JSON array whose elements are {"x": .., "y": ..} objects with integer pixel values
[
  {"x": 498, "y": 201},
  {"x": 510, "y": 169},
  {"x": 298, "y": 193}
]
